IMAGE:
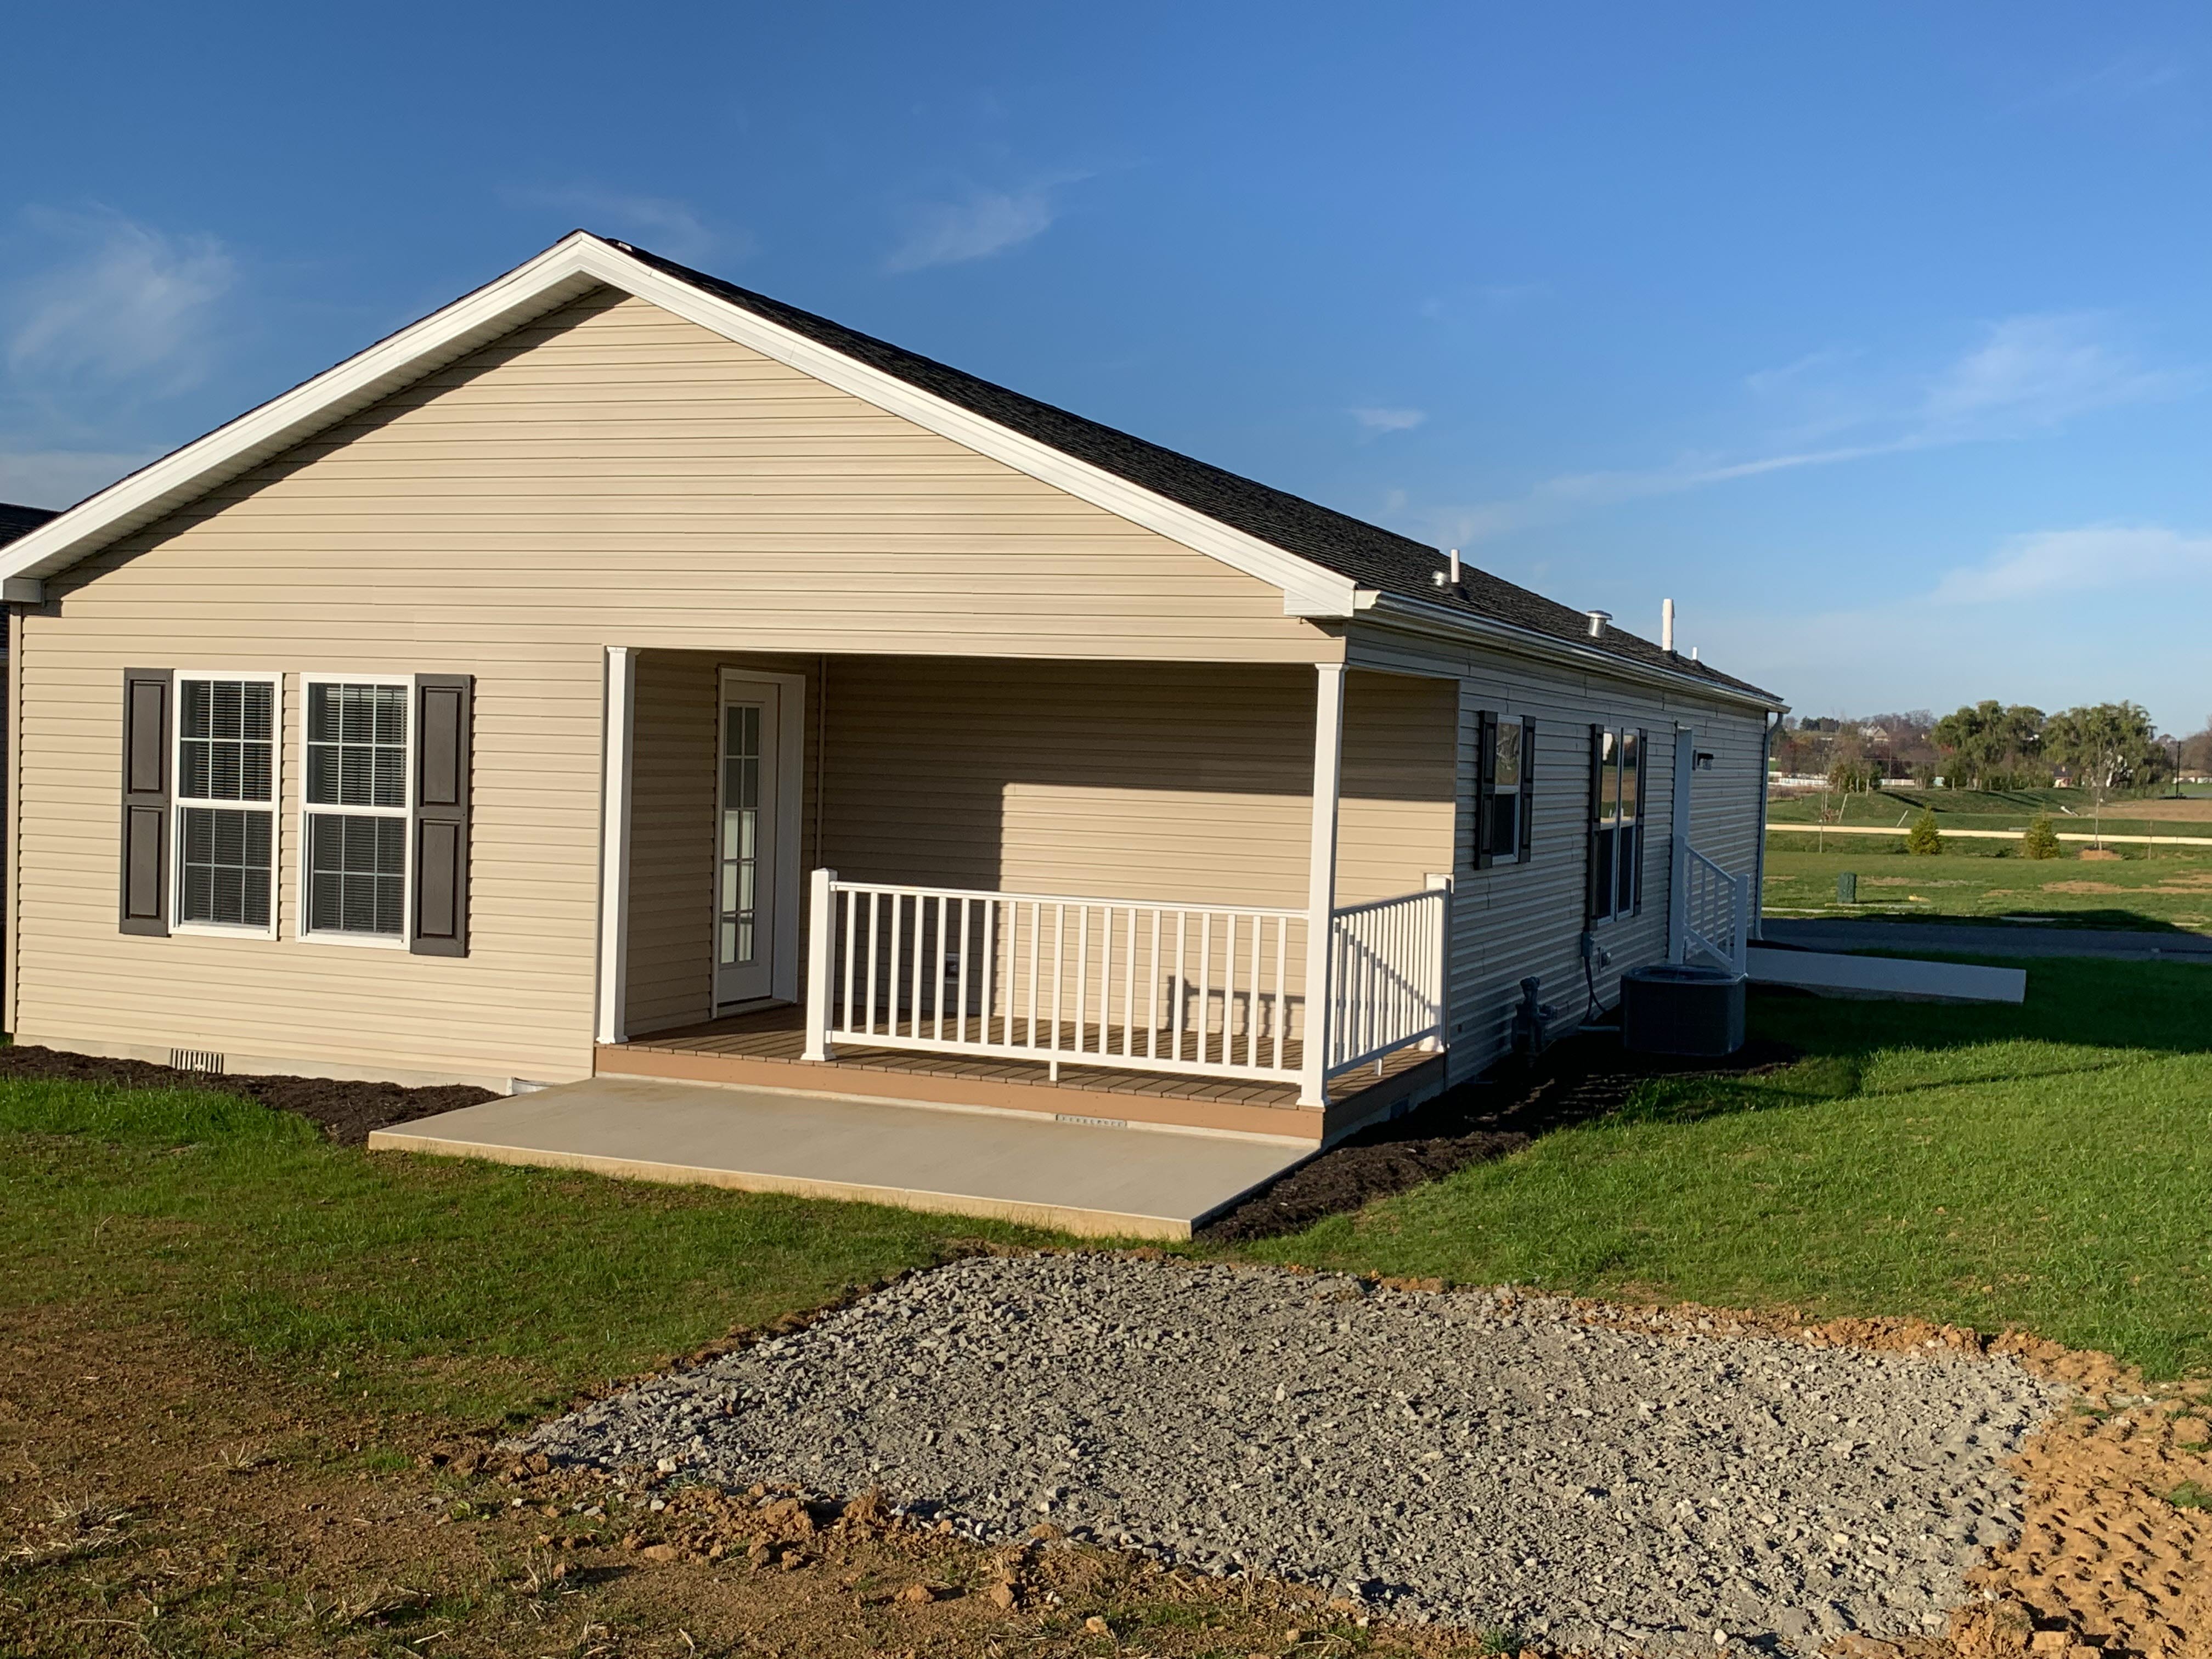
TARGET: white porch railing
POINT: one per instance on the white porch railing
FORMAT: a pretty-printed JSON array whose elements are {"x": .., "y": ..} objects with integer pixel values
[
  {"x": 1202, "y": 990},
  {"x": 1386, "y": 977},
  {"x": 1716, "y": 913}
]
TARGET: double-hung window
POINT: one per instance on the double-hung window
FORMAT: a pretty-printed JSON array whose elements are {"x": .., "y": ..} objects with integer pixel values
[
  {"x": 354, "y": 810},
  {"x": 1616, "y": 844},
  {"x": 226, "y": 771},
  {"x": 1502, "y": 830}
]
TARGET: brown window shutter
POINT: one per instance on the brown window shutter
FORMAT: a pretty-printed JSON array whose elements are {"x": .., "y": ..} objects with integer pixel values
[
  {"x": 148, "y": 710},
  {"x": 444, "y": 715}
]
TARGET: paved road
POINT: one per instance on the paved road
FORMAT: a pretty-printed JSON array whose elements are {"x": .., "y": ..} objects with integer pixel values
[{"x": 1987, "y": 938}]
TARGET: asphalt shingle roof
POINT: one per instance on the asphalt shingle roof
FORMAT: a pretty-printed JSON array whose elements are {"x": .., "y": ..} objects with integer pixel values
[
  {"x": 1368, "y": 554},
  {"x": 19, "y": 520}
]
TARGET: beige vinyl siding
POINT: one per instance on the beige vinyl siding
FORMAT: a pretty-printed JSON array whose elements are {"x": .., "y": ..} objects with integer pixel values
[
  {"x": 1521, "y": 920},
  {"x": 609, "y": 474},
  {"x": 1186, "y": 783},
  {"x": 611, "y": 467}
]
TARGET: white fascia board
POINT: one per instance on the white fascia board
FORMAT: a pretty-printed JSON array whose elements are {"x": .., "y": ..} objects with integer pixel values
[
  {"x": 565, "y": 271},
  {"x": 1468, "y": 628}
]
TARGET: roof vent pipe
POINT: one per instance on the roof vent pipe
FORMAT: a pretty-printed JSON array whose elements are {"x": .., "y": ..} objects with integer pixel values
[
  {"x": 1598, "y": 619},
  {"x": 1667, "y": 626},
  {"x": 1454, "y": 566}
]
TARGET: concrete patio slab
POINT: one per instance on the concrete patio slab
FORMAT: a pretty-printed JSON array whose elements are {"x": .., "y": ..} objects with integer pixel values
[{"x": 1076, "y": 1177}]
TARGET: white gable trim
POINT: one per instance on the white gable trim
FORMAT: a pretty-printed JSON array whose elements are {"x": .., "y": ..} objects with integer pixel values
[{"x": 565, "y": 271}]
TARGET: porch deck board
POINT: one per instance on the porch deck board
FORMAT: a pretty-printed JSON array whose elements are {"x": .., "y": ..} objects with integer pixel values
[{"x": 780, "y": 1035}]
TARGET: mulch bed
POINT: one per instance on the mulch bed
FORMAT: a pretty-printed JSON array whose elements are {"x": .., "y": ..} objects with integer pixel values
[
  {"x": 1577, "y": 1078},
  {"x": 347, "y": 1111}
]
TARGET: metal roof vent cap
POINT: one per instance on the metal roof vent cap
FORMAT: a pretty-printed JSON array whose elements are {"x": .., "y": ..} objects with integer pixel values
[{"x": 1598, "y": 619}]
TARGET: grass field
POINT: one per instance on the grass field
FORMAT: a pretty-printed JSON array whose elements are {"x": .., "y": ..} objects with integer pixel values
[
  {"x": 2048, "y": 1165},
  {"x": 1952, "y": 1162},
  {"x": 2171, "y": 891},
  {"x": 231, "y": 1343},
  {"x": 470, "y": 1291},
  {"x": 2069, "y": 810}
]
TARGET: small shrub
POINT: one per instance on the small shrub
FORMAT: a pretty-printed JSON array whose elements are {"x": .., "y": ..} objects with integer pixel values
[
  {"x": 2041, "y": 840},
  {"x": 1924, "y": 837}
]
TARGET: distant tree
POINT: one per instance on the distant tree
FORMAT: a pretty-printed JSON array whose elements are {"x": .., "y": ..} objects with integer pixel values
[
  {"x": 2197, "y": 751},
  {"x": 2041, "y": 840},
  {"x": 2109, "y": 746},
  {"x": 1850, "y": 769},
  {"x": 1924, "y": 837},
  {"x": 1990, "y": 745}
]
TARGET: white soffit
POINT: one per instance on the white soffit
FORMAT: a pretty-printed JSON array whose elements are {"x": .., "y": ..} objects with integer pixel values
[{"x": 567, "y": 271}]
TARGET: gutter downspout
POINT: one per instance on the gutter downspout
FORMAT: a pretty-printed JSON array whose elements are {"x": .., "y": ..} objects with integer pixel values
[{"x": 1758, "y": 860}]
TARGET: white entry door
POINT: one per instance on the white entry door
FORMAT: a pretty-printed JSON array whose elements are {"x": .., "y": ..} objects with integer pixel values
[{"x": 747, "y": 858}]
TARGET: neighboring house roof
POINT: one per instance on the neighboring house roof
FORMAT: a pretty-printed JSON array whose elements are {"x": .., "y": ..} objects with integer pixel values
[
  {"x": 20, "y": 520},
  {"x": 1326, "y": 562}
]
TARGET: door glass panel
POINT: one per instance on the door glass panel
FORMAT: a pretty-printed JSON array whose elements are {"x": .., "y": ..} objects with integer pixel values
[{"x": 741, "y": 836}]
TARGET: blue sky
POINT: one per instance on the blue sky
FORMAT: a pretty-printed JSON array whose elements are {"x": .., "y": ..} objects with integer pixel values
[{"x": 1877, "y": 336}]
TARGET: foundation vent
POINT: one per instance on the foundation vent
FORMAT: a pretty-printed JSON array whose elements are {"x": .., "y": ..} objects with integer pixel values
[{"x": 196, "y": 1060}]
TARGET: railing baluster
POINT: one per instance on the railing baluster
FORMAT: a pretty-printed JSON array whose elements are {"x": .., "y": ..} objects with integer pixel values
[
  {"x": 1205, "y": 985},
  {"x": 1059, "y": 968},
  {"x": 1152, "y": 975}
]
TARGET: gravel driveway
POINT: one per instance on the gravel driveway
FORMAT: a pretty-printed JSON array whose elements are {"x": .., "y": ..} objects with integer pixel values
[{"x": 1485, "y": 1461}]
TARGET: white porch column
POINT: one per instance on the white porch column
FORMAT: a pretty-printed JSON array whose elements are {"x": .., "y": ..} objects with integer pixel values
[
  {"x": 616, "y": 727},
  {"x": 1678, "y": 847},
  {"x": 1321, "y": 881},
  {"x": 821, "y": 952}
]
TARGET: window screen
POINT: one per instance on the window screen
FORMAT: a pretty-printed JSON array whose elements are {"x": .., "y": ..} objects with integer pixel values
[
  {"x": 226, "y": 752},
  {"x": 1616, "y": 849},
  {"x": 355, "y": 866}
]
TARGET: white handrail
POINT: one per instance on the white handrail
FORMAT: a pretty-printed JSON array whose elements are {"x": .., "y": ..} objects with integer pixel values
[
  {"x": 1387, "y": 976},
  {"x": 1205, "y": 990},
  {"x": 1716, "y": 913}
]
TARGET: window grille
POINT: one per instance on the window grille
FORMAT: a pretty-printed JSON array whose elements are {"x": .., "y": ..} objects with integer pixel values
[
  {"x": 226, "y": 752},
  {"x": 354, "y": 865}
]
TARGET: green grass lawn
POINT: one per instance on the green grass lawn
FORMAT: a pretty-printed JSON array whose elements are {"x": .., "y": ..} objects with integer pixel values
[
  {"x": 472, "y": 1290},
  {"x": 2048, "y": 1166},
  {"x": 2172, "y": 890}
]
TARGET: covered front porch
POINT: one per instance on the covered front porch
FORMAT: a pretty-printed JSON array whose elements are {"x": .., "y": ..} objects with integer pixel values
[{"x": 1080, "y": 890}]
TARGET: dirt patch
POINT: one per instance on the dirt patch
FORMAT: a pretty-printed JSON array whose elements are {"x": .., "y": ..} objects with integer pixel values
[
  {"x": 2097, "y": 855},
  {"x": 2192, "y": 810},
  {"x": 160, "y": 1494},
  {"x": 347, "y": 1111},
  {"x": 1578, "y": 1078},
  {"x": 2084, "y": 887}
]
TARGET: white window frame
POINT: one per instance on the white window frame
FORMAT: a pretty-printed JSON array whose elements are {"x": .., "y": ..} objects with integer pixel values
[
  {"x": 1618, "y": 821},
  {"x": 404, "y": 938},
  {"x": 179, "y": 805}
]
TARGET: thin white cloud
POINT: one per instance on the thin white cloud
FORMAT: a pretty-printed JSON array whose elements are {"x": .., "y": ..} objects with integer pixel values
[
  {"x": 980, "y": 224},
  {"x": 61, "y": 477},
  {"x": 123, "y": 303},
  {"x": 660, "y": 223},
  {"x": 2026, "y": 374},
  {"x": 2123, "y": 81},
  {"x": 2054, "y": 561},
  {"x": 1388, "y": 420}
]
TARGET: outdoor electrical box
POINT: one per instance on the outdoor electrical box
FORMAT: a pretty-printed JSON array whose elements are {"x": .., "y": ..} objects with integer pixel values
[
  {"x": 1847, "y": 887},
  {"x": 1674, "y": 1009}
]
